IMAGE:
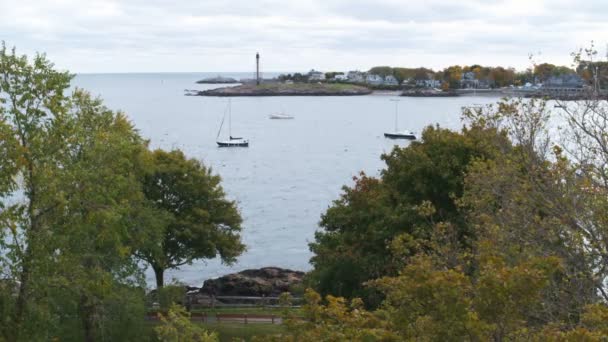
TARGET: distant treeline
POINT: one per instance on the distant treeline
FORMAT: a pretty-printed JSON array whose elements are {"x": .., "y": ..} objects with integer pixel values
[{"x": 456, "y": 76}]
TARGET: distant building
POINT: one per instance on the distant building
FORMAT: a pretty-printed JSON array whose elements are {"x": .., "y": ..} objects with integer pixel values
[
  {"x": 374, "y": 79},
  {"x": 469, "y": 81},
  {"x": 390, "y": 80},
  {"x": 314, "y": 75},
  {"x": 428, "y": 83},
  {"x": 341, "y": 77},
  {"x": 355, "y": 77},
  {"x": 564, "y": 81}
]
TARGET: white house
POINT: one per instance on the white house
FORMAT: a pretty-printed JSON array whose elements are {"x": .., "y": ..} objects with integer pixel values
[
  {"x": 341, "y": 77},
  {"x": 390, "y": 80},
  {"x": 314, "y": 75},
  {"x": 374, "y": 79},
  {"x": 355, "y": 77},
  {"x": 428, "y": 83}
]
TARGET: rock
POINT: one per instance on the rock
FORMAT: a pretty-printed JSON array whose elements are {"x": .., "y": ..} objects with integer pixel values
[
  {"x": 428, "y": 93},
  {"x": 283, "y": 89},
  {"x": 267, "y": 281},
  {"x": 218, "y": 80}
]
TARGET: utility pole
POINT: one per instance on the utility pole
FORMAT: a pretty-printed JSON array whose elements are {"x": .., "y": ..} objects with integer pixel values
[{"x": 257, "y": 68}]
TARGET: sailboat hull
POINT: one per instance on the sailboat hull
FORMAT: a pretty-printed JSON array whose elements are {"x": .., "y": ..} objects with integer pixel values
[
  {"x": 400, "y": 136},
  {"x": 233, "y": 143}
]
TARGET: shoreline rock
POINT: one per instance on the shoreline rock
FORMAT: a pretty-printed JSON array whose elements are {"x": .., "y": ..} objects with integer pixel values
[
  {"x": 429, "y": 93},
  {"x": 218, "y": 80},
  {"x": 281, "y": 89},
  {"x": 263, "y": 282}
]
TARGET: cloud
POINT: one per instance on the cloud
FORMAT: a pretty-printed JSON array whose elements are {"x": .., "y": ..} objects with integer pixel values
[{"x": 195, "y": 35}]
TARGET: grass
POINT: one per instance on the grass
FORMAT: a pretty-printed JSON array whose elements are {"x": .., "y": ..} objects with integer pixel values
[
  {"x": 330, "y": 86},
  {"x": 229, "y": 331},
  {"x": 252, "y": 310}
]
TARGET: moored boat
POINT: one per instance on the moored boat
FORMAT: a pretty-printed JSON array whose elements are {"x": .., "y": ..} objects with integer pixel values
[
  {"x": 232, "y": 141},
  {"x": 280, "y": 116},
  {"x": 399, "y": 134}
]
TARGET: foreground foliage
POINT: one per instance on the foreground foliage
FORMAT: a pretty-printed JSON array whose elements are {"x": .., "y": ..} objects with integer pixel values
[
  {"x": 75, "y": 213},
  {"x": 497, "y": 232},
  {"x": 189, "y": 213}
]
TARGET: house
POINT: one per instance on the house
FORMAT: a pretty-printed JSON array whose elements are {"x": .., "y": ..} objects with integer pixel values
[
  {"x": 374, "y": 79},
  {"x": 314, "y": 75},
  {"x": 469, "y": 81},
  {"x": 390, "y": 80},
  {"x": 564, "y": 81},
  {"x": 428, "y": 83},
  {"x": 355, "y": 77},
  {"x": 341, "y": 77}
]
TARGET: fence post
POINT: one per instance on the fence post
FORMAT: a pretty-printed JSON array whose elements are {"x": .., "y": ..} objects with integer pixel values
[
  {"x": 245, "y": 318},
  {"x": 272, "y": 319}
]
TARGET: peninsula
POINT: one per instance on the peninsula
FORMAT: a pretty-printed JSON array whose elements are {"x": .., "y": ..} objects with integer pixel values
[
  {"x": 289, "y": 89},
  {"x": 218, "y": 80}
]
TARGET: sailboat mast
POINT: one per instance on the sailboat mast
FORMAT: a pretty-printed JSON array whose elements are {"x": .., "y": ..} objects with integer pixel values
[
  {"x": 230, "y": 118},
  {"x": 396, "y": 113}
]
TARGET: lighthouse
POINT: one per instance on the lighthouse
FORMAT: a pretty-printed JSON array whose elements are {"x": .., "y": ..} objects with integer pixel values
[{"x": 257, "y": 68}]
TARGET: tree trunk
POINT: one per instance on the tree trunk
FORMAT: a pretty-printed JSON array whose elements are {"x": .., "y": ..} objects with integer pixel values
[
  {"x": 24, "y": 280},
  {"x": 159, "y": 272},
  {"x": 87, "y": 317}
]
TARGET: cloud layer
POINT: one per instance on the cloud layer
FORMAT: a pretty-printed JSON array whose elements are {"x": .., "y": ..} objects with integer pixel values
[{"x": 212, "y": 35}]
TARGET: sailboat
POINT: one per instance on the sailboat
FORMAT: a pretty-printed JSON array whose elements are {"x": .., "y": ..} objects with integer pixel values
[
  {"x": 233, "y": 141},
  {"x": 280, "y": 116},
  {"x": 399, "y": 134}
]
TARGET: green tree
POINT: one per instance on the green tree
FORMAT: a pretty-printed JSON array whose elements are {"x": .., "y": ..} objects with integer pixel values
[
  {"x": 381, "y": 70},
  {"x": 30, "y": 94},
  {"x": 358, "y": 229},
  {"x": 197, "y": 221},
  {"x": 176, "y": 326},
  {"x": 69, "y": 193}
]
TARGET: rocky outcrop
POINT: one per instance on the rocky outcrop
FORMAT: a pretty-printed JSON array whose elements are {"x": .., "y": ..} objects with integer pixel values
[
  {"x": 283, "y": 89},
  {"x": 218, "y": 80},
  {"x": 428, "y": 93},
  {"x": 267, "y": 281}
]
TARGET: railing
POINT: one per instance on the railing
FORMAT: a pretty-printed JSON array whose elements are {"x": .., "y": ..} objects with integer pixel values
[
  {"x": 242, "y": 302},
  {"x": 245, "y": 318}
]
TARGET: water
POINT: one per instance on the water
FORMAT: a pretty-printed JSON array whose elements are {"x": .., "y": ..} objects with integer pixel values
[{"x": 293, "y": 169}]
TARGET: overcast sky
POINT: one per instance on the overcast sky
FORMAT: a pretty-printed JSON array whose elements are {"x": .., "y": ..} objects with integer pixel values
[{"x": 224, "y": 35}]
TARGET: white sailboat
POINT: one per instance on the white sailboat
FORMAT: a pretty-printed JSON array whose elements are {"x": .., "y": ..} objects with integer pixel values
[
  {"x": 399, "y": 134},
  {"x": 280, "y": 116},
  {"x": 232, "y": 141}
]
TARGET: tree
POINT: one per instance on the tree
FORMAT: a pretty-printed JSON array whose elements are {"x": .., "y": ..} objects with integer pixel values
[
  {"x": 68, "y": 244},
  {"x": 176, "y": 326},
  {"x": 29, "y": 95},
  {"x": 424, "y": 177},
  {"x": 196, "y": 219},
  {"x": 381, "y": 70}
]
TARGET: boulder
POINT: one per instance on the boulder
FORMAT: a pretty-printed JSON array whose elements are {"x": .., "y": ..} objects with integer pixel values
[{"x": 267, "y": 281}]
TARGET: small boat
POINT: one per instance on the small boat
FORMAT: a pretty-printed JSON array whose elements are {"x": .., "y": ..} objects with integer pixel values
[
  {"x": 399, "y": 134},
  {"x": 280, "y": 116},
  {"x": 232, "y": 141}
]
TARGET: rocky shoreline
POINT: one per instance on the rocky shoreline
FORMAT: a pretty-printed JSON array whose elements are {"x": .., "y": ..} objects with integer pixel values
[
  {"x": 281, "y": 89},
  {"x": 429, "y": 93},
  {"x": 243, "y": 287},
  {"x": 218, "y": 80}
]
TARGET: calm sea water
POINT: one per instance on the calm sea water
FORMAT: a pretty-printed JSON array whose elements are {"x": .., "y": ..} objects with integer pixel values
[{"x": 293, "y": 169}]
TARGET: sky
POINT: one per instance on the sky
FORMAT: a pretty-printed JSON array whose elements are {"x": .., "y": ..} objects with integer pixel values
[{"x": 100, "y": 36}]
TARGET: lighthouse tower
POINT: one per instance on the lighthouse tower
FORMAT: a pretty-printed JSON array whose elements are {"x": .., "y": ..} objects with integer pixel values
[{"x": 257, "y": 68}]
